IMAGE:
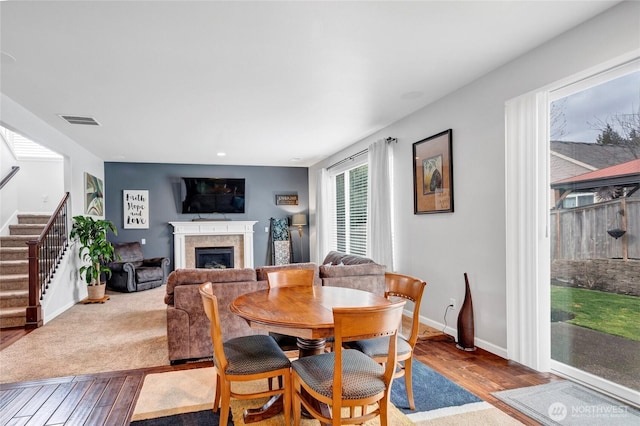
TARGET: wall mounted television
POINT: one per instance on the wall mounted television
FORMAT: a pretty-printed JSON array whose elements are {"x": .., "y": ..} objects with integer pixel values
[{"x": 212, "y": 195}]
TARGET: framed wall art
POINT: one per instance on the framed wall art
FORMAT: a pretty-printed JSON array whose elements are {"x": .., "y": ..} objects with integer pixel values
[
  {"x": 93, "y": 195},
  {"x": 135, "y": 207},
  {"x": 433, "y": 174}
]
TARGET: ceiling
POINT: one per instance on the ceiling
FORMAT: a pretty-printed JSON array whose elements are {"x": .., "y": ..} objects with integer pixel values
[{"x": 267, "y": 83}]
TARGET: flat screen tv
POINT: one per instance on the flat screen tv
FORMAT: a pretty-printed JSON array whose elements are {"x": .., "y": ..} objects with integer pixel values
[{"x": 212, "y": 195}]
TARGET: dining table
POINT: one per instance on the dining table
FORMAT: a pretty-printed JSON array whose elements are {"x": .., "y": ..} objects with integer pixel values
[{"x": 305, "y": 312}]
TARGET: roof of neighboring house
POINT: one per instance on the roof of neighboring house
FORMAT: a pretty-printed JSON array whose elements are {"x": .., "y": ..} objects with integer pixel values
[
  {"x": 593, "y": 154},
  {"x": 625, "y": 174}
]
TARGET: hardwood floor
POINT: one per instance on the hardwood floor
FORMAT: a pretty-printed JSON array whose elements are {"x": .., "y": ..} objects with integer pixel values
[{"x": 109, "y": 398}]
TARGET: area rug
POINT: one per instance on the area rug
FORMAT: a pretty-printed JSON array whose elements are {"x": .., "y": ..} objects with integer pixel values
[
  {"x": 568, "y": 403},
  {"x": 126, "y": 332},
  {"x": 166, "y": 398}
]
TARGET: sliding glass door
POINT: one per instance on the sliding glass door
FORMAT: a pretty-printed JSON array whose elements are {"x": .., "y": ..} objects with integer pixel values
[{"x": 594, "y": 230}]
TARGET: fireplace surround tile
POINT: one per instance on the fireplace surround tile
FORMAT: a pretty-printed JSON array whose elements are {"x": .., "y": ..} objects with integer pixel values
[{"x": 189, "y": 235}]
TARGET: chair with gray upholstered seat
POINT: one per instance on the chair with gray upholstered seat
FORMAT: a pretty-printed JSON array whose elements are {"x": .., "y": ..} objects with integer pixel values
[
  {"x": 244, "y": 359},
  {"x": 347, "y": 377},
  {"x": 411, "y": 289}
]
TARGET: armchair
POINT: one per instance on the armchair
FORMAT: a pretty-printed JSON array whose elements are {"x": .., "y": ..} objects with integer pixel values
[{"x": 132, "y": 272}]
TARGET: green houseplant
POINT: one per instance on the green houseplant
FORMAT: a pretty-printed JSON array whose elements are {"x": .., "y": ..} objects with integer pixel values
[{"x": 94, "y": 249}]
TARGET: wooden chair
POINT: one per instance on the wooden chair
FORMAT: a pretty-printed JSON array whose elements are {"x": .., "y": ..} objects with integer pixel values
[
  {"x": 244, "y": 359},
  {"x": 408, "y": 288},
  {"x": 290, "y": 277},
  {"x": 347, "y": 377}
]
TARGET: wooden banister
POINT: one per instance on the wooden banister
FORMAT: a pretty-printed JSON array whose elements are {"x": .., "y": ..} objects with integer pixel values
[{"x": 45, "y": 254}]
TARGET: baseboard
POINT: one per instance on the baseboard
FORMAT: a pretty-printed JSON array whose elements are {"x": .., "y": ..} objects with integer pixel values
[{"x": 453, "y": 331}]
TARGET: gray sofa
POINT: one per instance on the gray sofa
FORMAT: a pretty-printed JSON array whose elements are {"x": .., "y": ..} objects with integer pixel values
[
  {"x": 188, "y": 334},
  {"x": 347, "y": 270}
]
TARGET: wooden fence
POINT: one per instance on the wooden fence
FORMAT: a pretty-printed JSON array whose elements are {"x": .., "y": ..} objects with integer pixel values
[{"x": 581, "y": 233}]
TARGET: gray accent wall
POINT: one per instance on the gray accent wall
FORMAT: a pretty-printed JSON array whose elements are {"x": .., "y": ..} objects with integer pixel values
[{"x": 163, "y": 183}]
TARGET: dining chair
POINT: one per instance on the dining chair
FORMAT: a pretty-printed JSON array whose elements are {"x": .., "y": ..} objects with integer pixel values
[
  {"x": 346, "y": 377},
  {"x": 243, "y": 359},
  {"x": 411, "y": 289},
  {"x": 288, "y": 278}
]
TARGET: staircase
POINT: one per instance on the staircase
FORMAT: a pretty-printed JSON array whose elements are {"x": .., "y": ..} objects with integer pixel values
[{"x": 14, "y": 269}]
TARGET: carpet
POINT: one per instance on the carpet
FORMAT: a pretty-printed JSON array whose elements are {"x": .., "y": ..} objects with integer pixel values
[
  {"x": 128, "y": 331},
  {"x": 568, "y": 403},
  {"x": 184, "y": 396}
]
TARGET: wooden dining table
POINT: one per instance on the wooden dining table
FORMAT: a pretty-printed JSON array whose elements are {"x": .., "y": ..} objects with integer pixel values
[{"x": 305, "y": 312}]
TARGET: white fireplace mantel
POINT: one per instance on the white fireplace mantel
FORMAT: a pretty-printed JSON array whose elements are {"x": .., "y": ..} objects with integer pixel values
[{"x": 183, "y": 229}]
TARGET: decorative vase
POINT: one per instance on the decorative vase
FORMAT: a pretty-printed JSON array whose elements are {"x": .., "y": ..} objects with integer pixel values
[
  {"x": 96, "y": 292},
  {"x": 465, "y": 321}
]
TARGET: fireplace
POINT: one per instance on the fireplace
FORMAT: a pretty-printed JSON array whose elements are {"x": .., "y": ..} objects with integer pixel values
[
  {"x": 190, "y": 235},
  {"x": 214, "y": 257}
]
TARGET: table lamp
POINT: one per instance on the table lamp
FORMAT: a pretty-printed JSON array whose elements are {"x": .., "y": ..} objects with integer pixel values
[{"x": 299, "y": 220}]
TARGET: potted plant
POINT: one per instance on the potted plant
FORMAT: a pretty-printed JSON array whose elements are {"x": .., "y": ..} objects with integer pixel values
[{"x": 94, "y": 249}]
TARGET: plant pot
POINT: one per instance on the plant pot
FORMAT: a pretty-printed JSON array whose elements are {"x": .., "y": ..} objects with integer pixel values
[{"x": 97, "y": 291}]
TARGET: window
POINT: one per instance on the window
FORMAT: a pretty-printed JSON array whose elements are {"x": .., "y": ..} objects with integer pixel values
[{"x": 350, "y": 215}]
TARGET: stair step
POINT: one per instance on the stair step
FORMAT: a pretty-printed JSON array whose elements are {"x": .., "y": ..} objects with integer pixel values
[
  {"x": 26, "y": 229},
  {"x": 14, "y": 298},
  {"x": 14, "y": 253},
  {"x": 14, "y": 282},
  {"x": 14, "y": 267},
  {"x": 33, "y": 218},
  {"x": 16, "y": 240},
  {"x": 13, "y": 317}
]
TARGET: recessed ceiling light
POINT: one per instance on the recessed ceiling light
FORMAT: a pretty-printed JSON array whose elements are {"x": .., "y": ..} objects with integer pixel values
[
  {"x": 221, "y": 154},
  {"x": 296, "y": 159}
]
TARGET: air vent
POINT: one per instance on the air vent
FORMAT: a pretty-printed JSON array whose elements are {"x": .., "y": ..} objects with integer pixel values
[{"x": 75, "y": 119}]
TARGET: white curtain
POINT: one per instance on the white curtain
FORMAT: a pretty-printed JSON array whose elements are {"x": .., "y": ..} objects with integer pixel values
[
  {"x": 527, "y": 215},
  {"x": 323, "y": 220},
  {"x": 379, "y": 220}
]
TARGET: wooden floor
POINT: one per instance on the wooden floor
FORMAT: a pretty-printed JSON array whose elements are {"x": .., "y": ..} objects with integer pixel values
[{"x": 109, "y": 398}]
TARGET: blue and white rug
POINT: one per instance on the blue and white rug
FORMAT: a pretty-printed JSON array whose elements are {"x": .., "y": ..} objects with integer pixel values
[{"x": 435, "y": 396}]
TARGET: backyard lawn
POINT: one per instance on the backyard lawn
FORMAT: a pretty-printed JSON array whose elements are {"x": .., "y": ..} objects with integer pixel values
[{"x": 609, "y": 313}]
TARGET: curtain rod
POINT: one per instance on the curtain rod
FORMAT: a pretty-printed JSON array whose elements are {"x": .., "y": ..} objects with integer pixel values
[{"x": 358, "y": 154}]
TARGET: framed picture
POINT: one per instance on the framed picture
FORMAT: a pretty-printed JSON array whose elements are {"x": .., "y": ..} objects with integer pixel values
[
  {"x": 93, "y": 195},
  {"x": 135, "y": 208},
  {"x": 433, "y": 174}
]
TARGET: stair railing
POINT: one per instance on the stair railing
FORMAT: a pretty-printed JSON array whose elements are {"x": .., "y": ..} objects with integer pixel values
[
  {"x": 9, "y": 175},
  {"x": 45, "y": 254}
]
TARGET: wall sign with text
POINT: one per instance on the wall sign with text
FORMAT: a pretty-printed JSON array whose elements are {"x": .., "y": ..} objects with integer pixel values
[
  {"x": 286, "y": 199},
  {"x": 135, "y": 206}
]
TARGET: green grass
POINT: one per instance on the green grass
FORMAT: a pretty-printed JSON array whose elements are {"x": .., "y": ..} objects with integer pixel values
[{"x": 609, "y": 313}]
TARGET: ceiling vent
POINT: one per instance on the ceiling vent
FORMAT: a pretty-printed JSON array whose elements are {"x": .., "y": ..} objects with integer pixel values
[{"x": 76, "y": 119}]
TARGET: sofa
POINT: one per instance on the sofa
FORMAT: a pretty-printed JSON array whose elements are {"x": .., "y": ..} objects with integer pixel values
[
  {"x": 347, "y": 270},
  {"x": 188, "y": 336},
  {"x": 132, "y": 272}
]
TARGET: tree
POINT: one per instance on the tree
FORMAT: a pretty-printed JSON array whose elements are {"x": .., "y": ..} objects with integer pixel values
[
  {"x": 621, "y": 130},
  {"x": 609, "y": 137},
  {"x": 557, "y": 118}
]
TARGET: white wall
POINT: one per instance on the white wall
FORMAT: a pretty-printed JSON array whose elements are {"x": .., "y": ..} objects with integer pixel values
[
  {"x": 42, "y": 183},
  {"x": 8, "y": 194},
  {"x": 439, "y": 248},
  {"x": 77, "y": 159}
]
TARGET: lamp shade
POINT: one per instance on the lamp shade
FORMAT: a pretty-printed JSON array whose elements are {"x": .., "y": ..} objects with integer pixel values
[{"x": 299, "y": 219}]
